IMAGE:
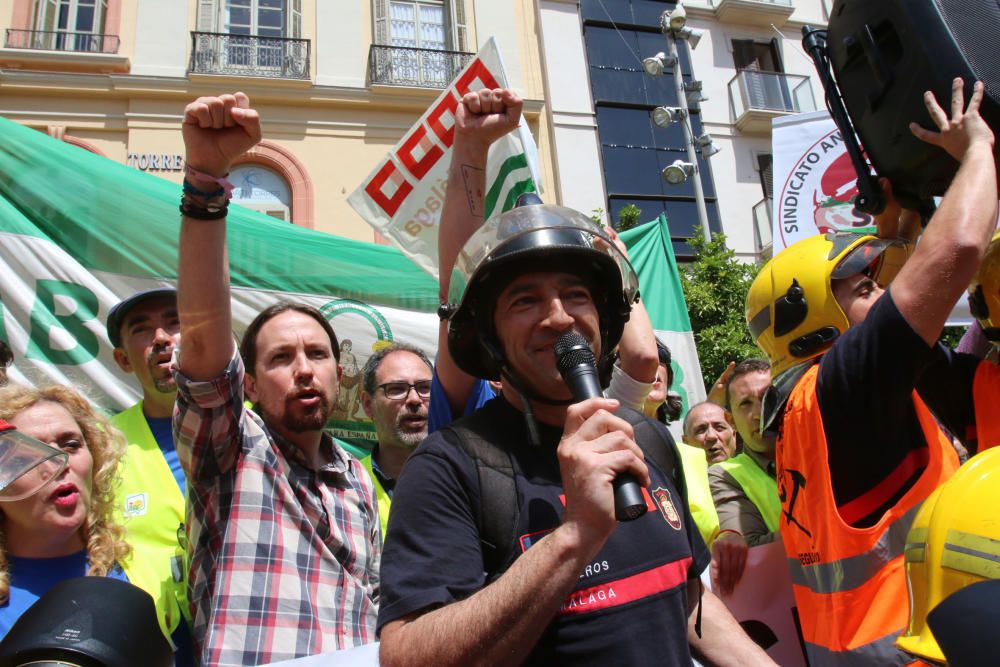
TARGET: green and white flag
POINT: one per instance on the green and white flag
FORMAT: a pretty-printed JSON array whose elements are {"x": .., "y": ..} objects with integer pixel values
[
  {"x": 652, "y": 254},
  {"x": 403, "y": 196},
  {"x": 79, "y": 232}
]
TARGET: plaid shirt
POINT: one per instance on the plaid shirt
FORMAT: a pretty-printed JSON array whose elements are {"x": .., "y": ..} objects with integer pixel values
[{"x": 284, "y": 558}]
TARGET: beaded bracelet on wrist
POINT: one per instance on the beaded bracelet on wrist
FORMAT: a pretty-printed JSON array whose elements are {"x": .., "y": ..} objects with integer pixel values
[
  {"x": 212, "y": 209},
  {"x": 190, "y": 189}
]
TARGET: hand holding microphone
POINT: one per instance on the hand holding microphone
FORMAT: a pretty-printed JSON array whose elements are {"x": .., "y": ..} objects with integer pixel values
[{"x": 576, "y": 363}]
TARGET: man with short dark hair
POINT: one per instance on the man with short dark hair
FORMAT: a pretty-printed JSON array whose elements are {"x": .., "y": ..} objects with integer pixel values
[
  {"x": 744, "y": 487},
  {"x": 858, "y": 449},
  {"x": 560, "y": 581},
  {"x": 395, "y": 393},
  {"x": 285, "y": 539},
  {"x": 144, "y": 330}
]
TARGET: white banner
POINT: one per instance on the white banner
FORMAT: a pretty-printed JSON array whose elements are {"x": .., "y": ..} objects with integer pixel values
[
  {"x": 814, "y": 181},
  {"x": 403, "y": 196},
  {"x": 815, "y": 186},
  {"x": 763, "y": 604}
]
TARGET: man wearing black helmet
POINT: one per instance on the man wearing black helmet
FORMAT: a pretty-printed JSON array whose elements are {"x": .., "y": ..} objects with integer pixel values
[{"x": 566, "y": 584}]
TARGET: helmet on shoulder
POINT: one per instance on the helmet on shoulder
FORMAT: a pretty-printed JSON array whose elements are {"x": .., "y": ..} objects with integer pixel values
[
  {"x": 534, "y": 237},
  {"x": 954, "y": 542},
  {"x": 791, "y": 311},
  {"x": 984, "y": 292}
]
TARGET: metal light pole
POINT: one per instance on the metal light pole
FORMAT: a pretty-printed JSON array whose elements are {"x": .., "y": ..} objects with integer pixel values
[{"x": 699, "y": 193}]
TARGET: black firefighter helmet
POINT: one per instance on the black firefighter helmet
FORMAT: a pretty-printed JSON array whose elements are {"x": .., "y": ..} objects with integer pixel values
[{"x": 532, "y": 237}]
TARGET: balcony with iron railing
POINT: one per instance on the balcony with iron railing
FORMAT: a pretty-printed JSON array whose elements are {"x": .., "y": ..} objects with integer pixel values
[
  {"x": 756, "y": 97},
  {"x": 420, "y": 68},
  {"x": 46, "y": 40},
  {"x": 754, "y": 12},
  {"x": 249, "y": 55},
  {"x": 762, "y": 234},
  {"x": 60, "y": 50}
]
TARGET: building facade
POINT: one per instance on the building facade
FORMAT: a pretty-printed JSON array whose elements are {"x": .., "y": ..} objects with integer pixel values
[
  {"x": 337, "y": 83},
  {"x": 607, "y": 151}
]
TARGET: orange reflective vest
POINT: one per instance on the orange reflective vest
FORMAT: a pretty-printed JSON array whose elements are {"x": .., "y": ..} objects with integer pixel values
[
  {"x": 986, "y": 397},
  {"x": 849, "y": 583}
]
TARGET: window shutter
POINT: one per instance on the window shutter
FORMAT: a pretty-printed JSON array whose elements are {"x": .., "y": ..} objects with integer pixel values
[
  {"x": 294, "y": 29},
  {"x": 381, "y": 13},
  {"x": 459, "y": 33},
  {"x": 765, "y": 162},
  {"x": 207, "y": 16}
]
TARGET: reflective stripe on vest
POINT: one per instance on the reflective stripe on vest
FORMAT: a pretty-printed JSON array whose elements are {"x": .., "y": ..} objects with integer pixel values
[
  {"x": 382, "y": 498},
  {"x": 758, "y": 486},
  {"x": 879, "y": 652},
  {"x": 849, "y": 583},
  {"x": 150, "y": 506},
  {"x": 986, "y": 397},
  {"x": 849, "y": 573}
]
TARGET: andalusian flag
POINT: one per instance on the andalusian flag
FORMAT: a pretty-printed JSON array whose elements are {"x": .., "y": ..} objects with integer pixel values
[
  {"x": 652, "y": 254},
  {"x": 79, "y": 232}
]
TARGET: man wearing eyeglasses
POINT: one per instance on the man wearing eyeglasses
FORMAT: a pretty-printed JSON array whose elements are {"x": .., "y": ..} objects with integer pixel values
[{"x": 396, "y": 392}]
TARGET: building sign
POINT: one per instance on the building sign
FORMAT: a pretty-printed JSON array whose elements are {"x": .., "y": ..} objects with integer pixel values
[{"x": 156, "y": 161}]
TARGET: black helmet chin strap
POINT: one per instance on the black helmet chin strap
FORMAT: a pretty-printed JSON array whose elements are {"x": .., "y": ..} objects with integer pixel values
[{"x": 527, "y": 396}]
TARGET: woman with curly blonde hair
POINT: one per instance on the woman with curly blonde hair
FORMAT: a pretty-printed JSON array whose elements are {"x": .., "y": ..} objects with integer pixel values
[{"x": 66, "y": 529}]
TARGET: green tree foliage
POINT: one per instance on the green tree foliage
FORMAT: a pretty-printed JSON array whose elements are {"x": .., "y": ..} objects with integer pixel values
[
  {"x": 715, "y": 287},
  {"x": 628, "y": 217},
  {"x": 950, "y": 336}
]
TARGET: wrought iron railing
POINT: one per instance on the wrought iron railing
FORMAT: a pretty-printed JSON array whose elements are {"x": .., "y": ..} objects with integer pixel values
[
  {"x": 405, "y": 66},
  {"x": 776, "y": 3},
  {"x": 770, "y": 91},
  {"x": 762, "y": 235},
  {"x": 46, "y": 40},
  {"x": 249, "y": 55}
]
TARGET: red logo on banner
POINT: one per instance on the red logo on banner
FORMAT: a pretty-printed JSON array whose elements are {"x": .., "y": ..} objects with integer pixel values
[{"x": 389, "y": 202}]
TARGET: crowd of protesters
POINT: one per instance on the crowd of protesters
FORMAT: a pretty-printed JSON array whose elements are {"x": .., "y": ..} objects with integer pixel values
[{"x": 260, "y": 538}]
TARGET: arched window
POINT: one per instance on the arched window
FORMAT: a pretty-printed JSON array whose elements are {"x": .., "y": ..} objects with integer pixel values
[{"x": 261, "y": 189}]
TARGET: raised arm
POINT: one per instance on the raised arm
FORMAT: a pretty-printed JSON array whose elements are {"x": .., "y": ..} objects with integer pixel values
[
  {"x": 481, "y": 118},
  {"x": 952, "y": 246},
  {"x": 216, "y": 131}
]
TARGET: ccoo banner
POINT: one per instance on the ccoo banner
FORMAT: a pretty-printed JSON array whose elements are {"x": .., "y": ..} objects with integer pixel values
[{"x": 403, "y": 196}]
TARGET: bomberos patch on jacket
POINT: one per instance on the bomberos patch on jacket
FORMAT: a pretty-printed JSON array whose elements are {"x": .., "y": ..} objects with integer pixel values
[{"x": 666, "y": 505}]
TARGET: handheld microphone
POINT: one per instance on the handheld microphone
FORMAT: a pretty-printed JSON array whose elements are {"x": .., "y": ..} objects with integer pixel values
[{"x": 576, "y": 364}]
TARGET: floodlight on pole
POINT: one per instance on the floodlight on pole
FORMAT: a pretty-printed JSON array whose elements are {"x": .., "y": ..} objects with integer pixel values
[
  {"x": 706, "y": 146},
  {"x": 694, "y": 93},
  {"x": 667, "y": 116},
  {"x": 692, "y": 35},
  {"x": 674, "y": 20},
  {"x": 673, "y": 25},
  {"x": 677, "y": 172},
  {"x": 655, "y": 65}
]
